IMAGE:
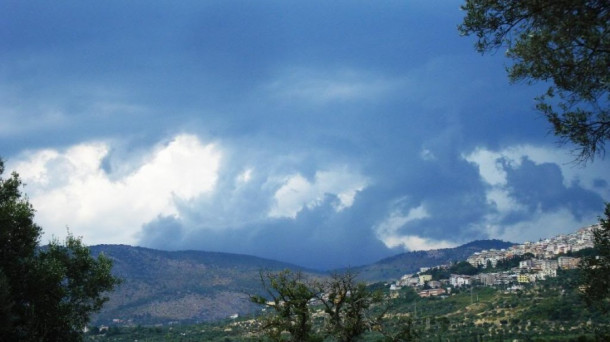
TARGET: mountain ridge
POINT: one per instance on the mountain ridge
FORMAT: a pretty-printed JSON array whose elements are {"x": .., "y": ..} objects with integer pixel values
[
  {"x": 393, "y": 267},
  {"x": 187, "y": 286},
  {"x": 196, "y": 286}
]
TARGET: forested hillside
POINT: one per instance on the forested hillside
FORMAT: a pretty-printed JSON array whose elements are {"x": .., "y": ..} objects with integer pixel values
[{"x": 186, "y": 286}]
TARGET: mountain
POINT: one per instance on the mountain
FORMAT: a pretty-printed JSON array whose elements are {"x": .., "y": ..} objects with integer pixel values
[
  {"x": 396, "y": 266},
  {"x": 196, "y": 286},
  {"x": 185, "y": 286}
]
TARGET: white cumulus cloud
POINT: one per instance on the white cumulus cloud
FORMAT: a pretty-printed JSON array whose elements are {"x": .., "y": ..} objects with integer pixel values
[
  {"x": 491, "y": 170},
  {"x": 388, "y": 231},
  {"x": 69, "y": 188},
  {"x": 296, "y": 192},
  {"x": 492, "y": 166},
  {"x": 544, "y": 225}
]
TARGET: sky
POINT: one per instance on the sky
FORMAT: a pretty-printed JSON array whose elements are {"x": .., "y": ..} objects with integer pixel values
[{"x": 321, "y": 133}]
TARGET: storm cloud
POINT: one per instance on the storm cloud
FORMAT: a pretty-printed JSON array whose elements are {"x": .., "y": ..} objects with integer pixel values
[{"x": 322, "y": 134}]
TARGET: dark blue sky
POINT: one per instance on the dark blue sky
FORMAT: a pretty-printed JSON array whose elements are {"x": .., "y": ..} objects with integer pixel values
[{"x": 320, "y": 133}]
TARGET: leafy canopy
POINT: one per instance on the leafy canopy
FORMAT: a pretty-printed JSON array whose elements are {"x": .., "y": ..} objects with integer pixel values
[
  {"x": 562, "y": 42},
  {"x": 347, "y": 304},
  {"x": 294, "y": 300},
  {"x": 288, "y": 296},
  {"x": 46, "y": 293}
]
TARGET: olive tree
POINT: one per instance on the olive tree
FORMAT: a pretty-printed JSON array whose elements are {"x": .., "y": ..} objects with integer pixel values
[
  {"x": 287, "y": 295},
  {"x": 292, "y": 299},
  {"x": 347, "y": 305},
  {"x": 47, "y": 293}
]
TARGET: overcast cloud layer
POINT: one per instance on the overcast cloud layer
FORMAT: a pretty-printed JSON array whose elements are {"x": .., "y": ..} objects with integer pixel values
[{"x": 320, "y": 133}]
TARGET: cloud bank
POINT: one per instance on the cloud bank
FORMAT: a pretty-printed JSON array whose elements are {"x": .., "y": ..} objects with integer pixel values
[
  {"x": 185, "y": 193},
  {"x": 321, "y": 133}
]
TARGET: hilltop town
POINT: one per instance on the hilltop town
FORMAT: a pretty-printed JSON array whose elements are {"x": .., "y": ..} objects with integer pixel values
[
  {"x": 488, "y": 296},
  {"x": 509, "y": 267}
]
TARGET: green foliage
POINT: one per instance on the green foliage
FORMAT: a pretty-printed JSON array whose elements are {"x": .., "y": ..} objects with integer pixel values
[
  {"x": 463, "y": 267},
  {"x": 551, "y": 310},
  {"x": 188, "y": 286},
  {"x": 564, "y": 42},
  {"x": 6, "y": 306},
  {"x": 289, "y": 294},
  {"x": 48, "y": 293},
  {"x": 557, "y": 308},
  {"x": 509, "y": 263},
  {"x": 438, "y": 273},
  {"x": 596, "y": 268},
  {"x": 586, "y": 252},
  {"x": 346, "y": 303},
  {"x": 401, "y": 329}
]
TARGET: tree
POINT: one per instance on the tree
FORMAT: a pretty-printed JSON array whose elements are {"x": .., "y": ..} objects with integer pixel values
[
  {"x": 346, "y": 304},
  {"x": 463, "y": 267},
  {"x": 46, "y": 293},
  {"x": 288, "y": 295},
  {"x": 565, "y": 43},
  {"x": 6, "y": 306},
  {"x": 562, "y": 42},
  {"x": 292, "y": 297},
  {"x": 596, "y": 268}
]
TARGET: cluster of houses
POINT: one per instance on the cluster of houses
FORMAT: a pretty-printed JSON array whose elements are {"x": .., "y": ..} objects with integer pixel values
[
  {"x": 544, "y": 249},
  {"x": 547, "y": 260}
]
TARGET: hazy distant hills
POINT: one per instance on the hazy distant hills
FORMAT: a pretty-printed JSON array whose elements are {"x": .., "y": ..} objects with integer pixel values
[
  {"x": 396, "y": 266},
  {"x": 191, "y": 286}
]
